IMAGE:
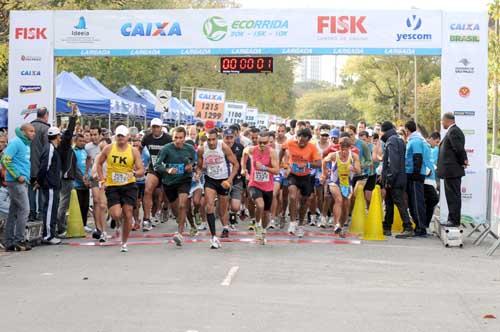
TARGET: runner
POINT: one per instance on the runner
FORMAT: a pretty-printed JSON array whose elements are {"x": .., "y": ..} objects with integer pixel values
[
  {"x": 342, "y": 165},
  {"x": 264, "y": 163},
  {"x": 175, "y": 165},
  {"x": 214, "y": 156},
  {"x": 123, "y": 165},
  {"x": 303, "y": 156},
  {"x": 280, "y": 193},
  {"x": 154, "y": 142},
  {"x": 237, "y": 188}
]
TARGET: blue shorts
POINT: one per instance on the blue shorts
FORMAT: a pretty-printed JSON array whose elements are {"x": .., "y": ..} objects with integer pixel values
[{"x": 281, "y": 179}]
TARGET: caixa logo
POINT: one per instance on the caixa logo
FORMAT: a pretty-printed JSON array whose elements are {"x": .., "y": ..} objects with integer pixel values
[
  {"x": 30, "y": 33},
  {"x": 140, "y": 29},
  {"x": 208, "y": 96},
  {"x": 413, "y": 24}
]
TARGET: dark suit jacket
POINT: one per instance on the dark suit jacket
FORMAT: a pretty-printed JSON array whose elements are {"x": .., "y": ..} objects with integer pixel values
[{"x": 452, "y": 155}]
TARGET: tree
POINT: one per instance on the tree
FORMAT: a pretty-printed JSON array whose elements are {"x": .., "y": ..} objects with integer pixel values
[
  {"x": 429, "y": 104},
  {"x": 332, "y": 104}
]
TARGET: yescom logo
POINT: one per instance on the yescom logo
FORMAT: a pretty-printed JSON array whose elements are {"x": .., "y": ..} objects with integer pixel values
[{"x": 215, "y": 28}]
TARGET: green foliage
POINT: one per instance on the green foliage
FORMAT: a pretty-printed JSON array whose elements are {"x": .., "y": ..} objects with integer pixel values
[
  {"x": 330, "y": 104},
  {"x": 271, "y": 93}
]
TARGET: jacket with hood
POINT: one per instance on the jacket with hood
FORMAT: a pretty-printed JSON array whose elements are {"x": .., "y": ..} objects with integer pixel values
[
  {"x": 418, "y": 157},
  {"x": 58, "y": 163},
  {"x": 393, "y": 167},
  {"x": 40, "y": 141},
  {"x": 16, "y": 158}
]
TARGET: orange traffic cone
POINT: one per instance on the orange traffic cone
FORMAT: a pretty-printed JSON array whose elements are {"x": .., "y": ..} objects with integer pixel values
[
  {"x": 373, "y": 230},
  {"x": 358, "y": 213},
  {"x": 75, "y": 221}
]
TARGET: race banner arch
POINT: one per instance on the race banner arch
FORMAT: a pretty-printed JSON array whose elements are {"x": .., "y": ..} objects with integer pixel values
[{"x": 460, "y": 38}]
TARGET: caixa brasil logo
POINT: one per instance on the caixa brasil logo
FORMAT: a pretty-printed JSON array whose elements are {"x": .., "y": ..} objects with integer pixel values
[
  {"x": 151, "y": 29},
  {"x": 216, "y": 28},
  {"x": 413, "y": 25}
]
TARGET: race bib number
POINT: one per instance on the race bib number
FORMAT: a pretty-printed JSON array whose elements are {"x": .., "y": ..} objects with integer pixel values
[
  {"x": 215, "y": 171},
  {"x": 297, "y": 169},
  {"x": 178, "y": 167},
  {"x": 119, "y": 177},
  {"x": 261, "y": 176}
]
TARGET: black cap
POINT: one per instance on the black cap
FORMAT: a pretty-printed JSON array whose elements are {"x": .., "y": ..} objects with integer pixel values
[{"x": 386, "y": 126}]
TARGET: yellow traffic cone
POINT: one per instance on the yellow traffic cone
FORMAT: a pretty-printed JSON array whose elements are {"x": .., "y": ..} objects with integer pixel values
[
  {"x": 75, "y": 222},
  {"x": 373, "y": 226},
  {"x": 397, "y": 222},
  {"x": 358, "y": 213}
]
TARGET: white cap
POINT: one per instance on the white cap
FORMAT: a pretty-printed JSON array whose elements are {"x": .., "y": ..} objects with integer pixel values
[
  {"x": 53, "y": 131},
  {"x": 156, "y": 122},
  {"x": 121, "y": 130}
]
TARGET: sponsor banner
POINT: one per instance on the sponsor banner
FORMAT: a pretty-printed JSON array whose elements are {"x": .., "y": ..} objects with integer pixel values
[
  {"x": 234, "y": 112},
  {"x": 31, "y": 65},
  {"x": 209, "y": 104},
  {"x": 224, "y": 32},
  {"x": 251, "y": 116},
  {"x": 464, "y": 69},
  {"x": 262, "y": 120}
]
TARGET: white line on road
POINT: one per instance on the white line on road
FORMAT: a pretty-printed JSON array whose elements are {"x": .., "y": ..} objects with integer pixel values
[{"x": 230, "y": 276}]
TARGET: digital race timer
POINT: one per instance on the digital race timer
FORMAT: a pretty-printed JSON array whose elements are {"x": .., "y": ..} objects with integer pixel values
[{"x": 242, "y": 65}]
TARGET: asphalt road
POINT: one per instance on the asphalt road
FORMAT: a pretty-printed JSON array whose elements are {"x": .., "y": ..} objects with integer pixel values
[{"x": 394, "y": 285}]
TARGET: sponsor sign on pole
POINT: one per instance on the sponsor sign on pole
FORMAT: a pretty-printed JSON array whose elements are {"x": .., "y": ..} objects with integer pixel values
[
  {"x": 209, "y": 104},
  {"x": 463, "y": 93},
  {"x": 251, "y": 116},
  {"x": 163, "y": 100},
  {"x": 31, "y": 67},
  {"x": 234, "y": 112}
]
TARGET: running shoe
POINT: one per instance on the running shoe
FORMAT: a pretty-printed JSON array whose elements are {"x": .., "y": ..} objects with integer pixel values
[
  {"x": 232, "y": 218},
  {"x": 23, "y": 246},
  {"x": 62, "y": 235},
  {"x": 292, "y": 227},
  {"x": 124, "y": 248},
  {"x": 203, "y": 226},
  {"x": 53, "y": 241},
  {"x": 330, "y": 222},
  {"x": 263, "y": 239},
  {"x": 312, "y": 222},
  {"x": 164, "y": 216},
  {"x": 323, "y": 223},
  {"x": 215, "y": 243},
  {"x": 225, "y": 233},
  {"x": 103, "y": 238},
  {"x": 146, "y": 225},
  {"x": 300, "y": 231},
  {"x": 178, "y": 239},
  {"x": 251, "y": 227},
  {"x": 258, "y": 232},
  {"x": 154, "y": 221},
  {"x": 193, "y": 231},
  {"x": 272, "y": 224},
  {"x": 96, "y": 234},
  {"x": 338, "y": 229},
  {"x": 87, "y": 229}
]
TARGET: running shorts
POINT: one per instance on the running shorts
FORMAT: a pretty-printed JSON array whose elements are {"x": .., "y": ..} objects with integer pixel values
[
  {"x": 267, "y": 196},
  {"x": 216, "y": 185},
  {"x": 122, "y": 195},
  {"x": 303, "y": 183}
]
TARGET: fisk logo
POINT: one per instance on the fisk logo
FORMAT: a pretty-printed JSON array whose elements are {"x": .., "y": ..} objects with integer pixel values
[
  {"x": 414, "y": 22},
  {"x": 151, "y": 29},
  {"x": 30, "y": 33},
  {"x": 341, "y": 24}
]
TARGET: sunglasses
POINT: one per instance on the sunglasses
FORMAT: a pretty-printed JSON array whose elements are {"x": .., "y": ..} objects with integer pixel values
[
  {"x": 263, "y": 143},
  {"x": 325, "y": 135}
]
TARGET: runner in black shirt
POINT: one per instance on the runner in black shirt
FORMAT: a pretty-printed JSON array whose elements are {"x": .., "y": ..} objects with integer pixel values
[
  {"x": 237, "y": 188},
  {"x": 154, "y": 142}
]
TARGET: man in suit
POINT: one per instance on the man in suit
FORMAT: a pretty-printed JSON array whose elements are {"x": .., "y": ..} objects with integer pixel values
[{"x": 452, "y": 162}]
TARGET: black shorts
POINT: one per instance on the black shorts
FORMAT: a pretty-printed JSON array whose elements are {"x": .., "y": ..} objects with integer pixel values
[
  {"x": 303, "y": 183},
  {"x": 216, "y": 185},
  {"x": 266, "y": 195},
  {"x": 357, "y": 178},
  {"x": 123, "y": 195},
  {"x": 370, "y": 182},
  {"x": 140, "y": 190},
  {"x": 172, "y": 191}
]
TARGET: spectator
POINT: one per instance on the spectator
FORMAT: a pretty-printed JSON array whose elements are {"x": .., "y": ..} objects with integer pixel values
[
  {"x": 81, "y": 182},
  {"x": 430, "y": 194},
  {"x": 16, "y": 159},
  {"x": 68, "y": 167},
  {"x": 394, "y": 180},
  {"x": 40, "y": 141},
  {"x": 452, "y": 162}
]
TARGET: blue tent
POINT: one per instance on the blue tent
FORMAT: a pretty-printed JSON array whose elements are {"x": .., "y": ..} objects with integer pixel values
[
  {"x": 4, "y": 112},
  {"x": 71, "y": 88},
  {"x": 119, "y": 105},
  {"x": 130, "y": 92}
]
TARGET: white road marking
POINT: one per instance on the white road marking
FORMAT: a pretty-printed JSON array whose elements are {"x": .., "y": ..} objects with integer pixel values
[{"x": 230, "y": 275}]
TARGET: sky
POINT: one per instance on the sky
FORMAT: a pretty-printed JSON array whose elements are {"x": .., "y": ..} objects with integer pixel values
[{"x": 369, "y": 4}]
